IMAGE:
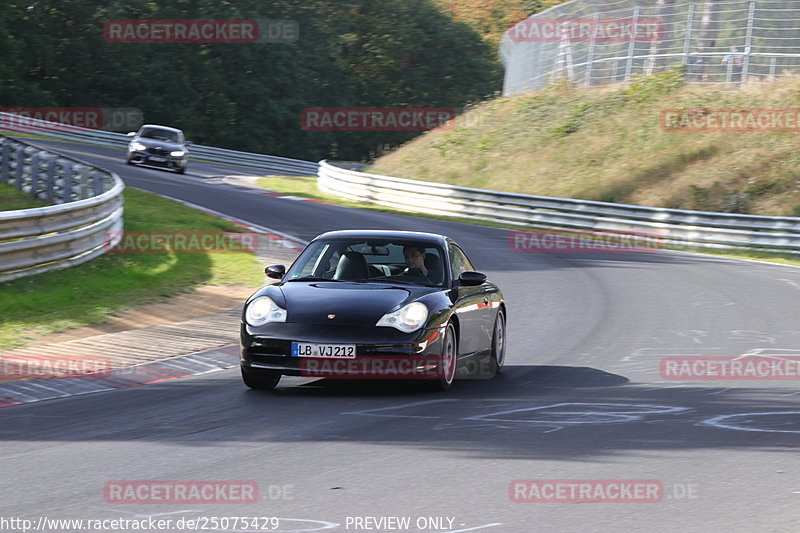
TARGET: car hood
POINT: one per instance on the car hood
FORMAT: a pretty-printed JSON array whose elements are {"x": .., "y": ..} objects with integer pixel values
[
  {"x": 164, "y": 144},
  {"x": 357, "y": 304}
]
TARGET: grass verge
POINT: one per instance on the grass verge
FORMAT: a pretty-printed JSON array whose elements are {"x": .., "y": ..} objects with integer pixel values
[
  {"x": 89, "y": 293},
  {"x": 12, "y": 199}
]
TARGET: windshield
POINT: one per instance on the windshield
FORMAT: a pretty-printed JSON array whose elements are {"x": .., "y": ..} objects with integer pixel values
[
  {"x": 160, "y": 135},
  {"x": 370, "y": 261}
]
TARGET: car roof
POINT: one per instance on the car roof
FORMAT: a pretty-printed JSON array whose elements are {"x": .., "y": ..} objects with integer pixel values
[
  {"x": 385, "y": 234},
  {"x": 176, "y": 130}
]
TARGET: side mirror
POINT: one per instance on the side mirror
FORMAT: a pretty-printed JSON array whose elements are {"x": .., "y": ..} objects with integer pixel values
[
  {"x": 275, "y": 271},
  {"x": 131, "y": 133},
  {"x": 470, "y": 278}
]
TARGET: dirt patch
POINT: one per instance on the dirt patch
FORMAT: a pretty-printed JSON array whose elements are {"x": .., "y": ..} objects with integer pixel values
[{"x": 206, "y": 300}]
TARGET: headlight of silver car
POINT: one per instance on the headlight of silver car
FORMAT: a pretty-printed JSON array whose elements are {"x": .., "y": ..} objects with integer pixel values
[
  {"x": 263, "y": 310},
  {"x": 138, "y": 147},
  {"x": 177, "y": 153},
  {"x": 408, "y": 318}
]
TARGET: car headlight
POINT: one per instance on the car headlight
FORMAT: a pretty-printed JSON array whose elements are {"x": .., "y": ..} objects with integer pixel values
[
  {"x": 177, "y": 153},
  {"x": 263, "y": 310},
  {"x": 408, "y": 318},
  {"x": 137, "y": 146}
]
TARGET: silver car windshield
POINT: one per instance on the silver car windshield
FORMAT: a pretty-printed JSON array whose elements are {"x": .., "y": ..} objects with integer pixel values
[{"x": 160, "y": 135}]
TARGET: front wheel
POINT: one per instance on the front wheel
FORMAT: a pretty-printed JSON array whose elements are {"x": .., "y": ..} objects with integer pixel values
[
  {"x": 260, "y": 379},
  {"x": 181, "y": 170},
  {"x": 448, "y": 361},
  {"x": 498, "y": 358}
]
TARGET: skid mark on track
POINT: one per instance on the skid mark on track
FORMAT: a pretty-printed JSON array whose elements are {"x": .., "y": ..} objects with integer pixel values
[
  {"x": 749, "y": 422},
  {"x": 550, "y": 417},
  {"x": 381, "y": 410},
  {"x": 558, "y": 416}
]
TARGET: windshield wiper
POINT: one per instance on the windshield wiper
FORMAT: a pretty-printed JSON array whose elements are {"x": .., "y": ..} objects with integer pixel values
[
  {"x": 390, "y": 281},
  {"x": 314, "y": 278}
]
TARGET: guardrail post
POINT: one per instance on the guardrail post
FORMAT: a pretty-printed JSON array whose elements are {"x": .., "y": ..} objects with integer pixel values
[
  {"x": 51, "y": 179},
  {"x": 19, "y": 159},
  {"x": 34, "y": 175},
  {"x": 97, "y": 183},
  {"x": 5, "y": 161},
  {"x": 83, "y": 182},
  {"x": 68, "y": 173}
]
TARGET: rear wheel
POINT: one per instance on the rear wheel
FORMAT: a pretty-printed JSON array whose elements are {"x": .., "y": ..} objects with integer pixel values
[
  {"x": 498, "y": 357},
  {"x": 448, "y": 361},
  {"x": 260, "y": 379}
]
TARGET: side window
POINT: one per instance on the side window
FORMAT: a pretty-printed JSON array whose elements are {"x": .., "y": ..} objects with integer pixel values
[
  {"x": 458, "y": 261},
  {"x": 313, "y": 263}
]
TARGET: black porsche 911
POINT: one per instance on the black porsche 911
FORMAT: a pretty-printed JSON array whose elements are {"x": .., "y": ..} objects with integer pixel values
[{"x": 374, "y": 305}]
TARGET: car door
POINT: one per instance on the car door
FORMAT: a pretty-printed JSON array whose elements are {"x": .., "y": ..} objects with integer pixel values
[{"x": 472, "y": 306}]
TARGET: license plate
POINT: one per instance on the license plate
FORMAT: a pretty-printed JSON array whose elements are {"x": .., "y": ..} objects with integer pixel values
[
  {"x": 157, "y": 159},
  {"x": 331, "y": 351}
]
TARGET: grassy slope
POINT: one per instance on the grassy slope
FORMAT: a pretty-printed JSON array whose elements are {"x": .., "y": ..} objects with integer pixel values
[
  {"x": 88, "y": 293},
  {"x": 607, "y": 144}
]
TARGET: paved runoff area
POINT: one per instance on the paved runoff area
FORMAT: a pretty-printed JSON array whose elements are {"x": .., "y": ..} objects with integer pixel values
[{"x": 124, "y": 359}]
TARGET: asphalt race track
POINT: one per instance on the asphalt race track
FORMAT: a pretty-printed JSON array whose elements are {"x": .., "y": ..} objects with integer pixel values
[{"x": 582, "y": 398}]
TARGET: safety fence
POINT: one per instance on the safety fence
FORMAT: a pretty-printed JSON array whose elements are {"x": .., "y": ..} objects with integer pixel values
[{"x": 600, "y": 42}]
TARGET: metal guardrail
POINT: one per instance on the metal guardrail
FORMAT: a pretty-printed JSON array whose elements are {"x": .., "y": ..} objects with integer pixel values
[
  {"x": 85, "y": 222},
  {"x": 17, "y": 123},
  {"x": 676, "y": 227}
]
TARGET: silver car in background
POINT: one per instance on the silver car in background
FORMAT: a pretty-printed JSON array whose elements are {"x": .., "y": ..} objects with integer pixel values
[{"x": 159, "y": 146}]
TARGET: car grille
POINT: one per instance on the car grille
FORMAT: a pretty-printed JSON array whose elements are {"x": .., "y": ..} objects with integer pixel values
[{"x": 158, "y": 150}]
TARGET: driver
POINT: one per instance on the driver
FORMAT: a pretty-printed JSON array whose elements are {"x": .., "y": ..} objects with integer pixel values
[{"x": 415, "y": 260}]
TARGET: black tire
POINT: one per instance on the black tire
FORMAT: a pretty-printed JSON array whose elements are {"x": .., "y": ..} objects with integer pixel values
[
  {"x": 260, "y": 379},
  {"x": 128, "y": 162},
  {"x": 181, "y": 170},
  {"x": 449, "y": 360},
  {"x": 498, "y": 357}
]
